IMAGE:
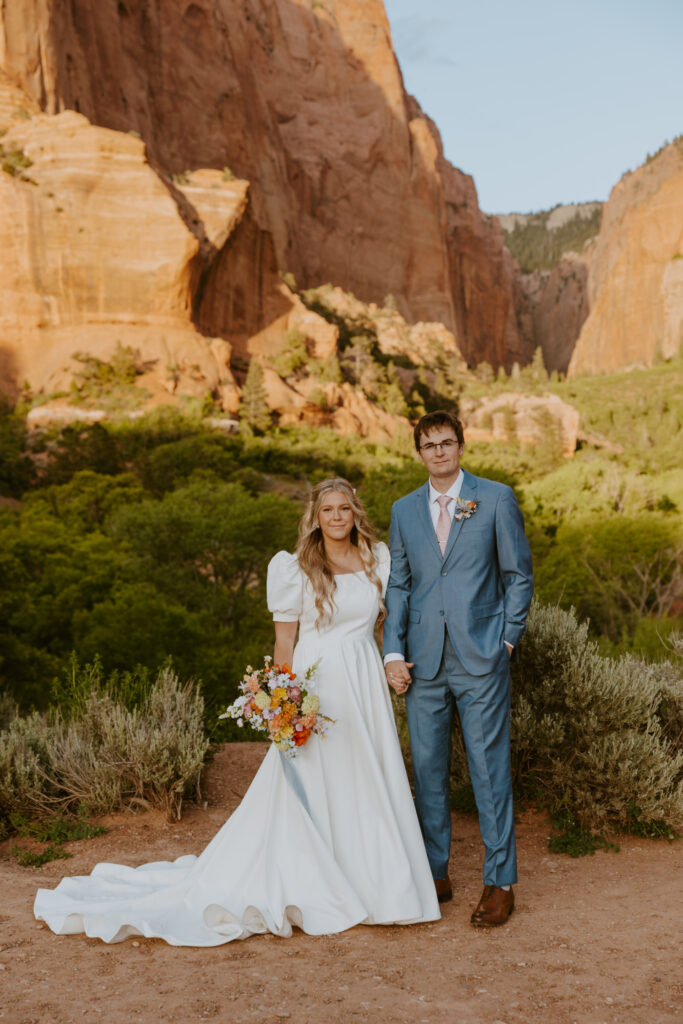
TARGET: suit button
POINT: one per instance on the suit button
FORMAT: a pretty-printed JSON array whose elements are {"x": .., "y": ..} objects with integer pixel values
[
  {"x": 444, "y": 573},
  {"x": 440, "y": 611}
]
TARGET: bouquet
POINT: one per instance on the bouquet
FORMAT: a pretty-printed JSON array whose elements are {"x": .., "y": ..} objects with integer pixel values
[{"x": 272, "y": 701}]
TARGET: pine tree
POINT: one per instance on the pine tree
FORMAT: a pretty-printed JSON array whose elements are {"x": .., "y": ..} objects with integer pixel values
[{"x": 254, "y": 408}]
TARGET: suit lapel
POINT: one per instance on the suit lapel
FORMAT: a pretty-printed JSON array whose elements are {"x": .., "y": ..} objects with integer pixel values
[
  {"x": 468, "y": 492},
  {"x": 424, "y": 516}
]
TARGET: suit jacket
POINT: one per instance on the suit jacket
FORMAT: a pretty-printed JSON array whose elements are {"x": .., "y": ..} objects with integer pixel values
[{"x": 480, "y": 589}]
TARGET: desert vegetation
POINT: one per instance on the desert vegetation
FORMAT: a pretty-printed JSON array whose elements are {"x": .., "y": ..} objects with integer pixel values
[
  {"x": 104, "y": 744},
  {"x": 139, "y": 548}
]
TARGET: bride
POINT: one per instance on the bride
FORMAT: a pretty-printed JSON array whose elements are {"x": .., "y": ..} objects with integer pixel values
[{"x": 324, "y": 841}]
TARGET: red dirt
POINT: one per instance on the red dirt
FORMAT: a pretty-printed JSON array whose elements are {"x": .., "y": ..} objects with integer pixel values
[{"x": 592, "y": 941}]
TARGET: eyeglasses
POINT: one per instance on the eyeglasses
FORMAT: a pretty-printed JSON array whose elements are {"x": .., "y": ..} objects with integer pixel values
[{"x": 443, "y": 445}]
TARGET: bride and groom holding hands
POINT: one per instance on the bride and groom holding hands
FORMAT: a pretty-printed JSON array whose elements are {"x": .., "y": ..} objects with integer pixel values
[{"x": 332, "y": 838}]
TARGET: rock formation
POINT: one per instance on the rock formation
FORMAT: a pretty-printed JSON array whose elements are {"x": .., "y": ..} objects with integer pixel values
[
  {"x": 305, "y": 101},
  {"x": 420, "y": 343},
  {"x": 553, "y": 249},
  {"x": 635, "y": 280},
  {"x": 526, "y": 419},
  {"x": 96, "y": 253},
  {"x": 553, "y": 307},
  {"x": 619, "y": 301}
]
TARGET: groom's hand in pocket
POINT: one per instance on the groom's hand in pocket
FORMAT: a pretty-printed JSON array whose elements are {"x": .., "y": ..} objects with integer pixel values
[{"x": 398, "y": 675}]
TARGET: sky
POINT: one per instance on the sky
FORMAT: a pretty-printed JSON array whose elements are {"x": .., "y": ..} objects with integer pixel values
[{"x": 544, "y": 102}]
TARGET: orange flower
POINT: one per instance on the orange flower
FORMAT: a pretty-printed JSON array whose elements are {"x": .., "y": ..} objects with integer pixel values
[{"x": 300, "y": 737}]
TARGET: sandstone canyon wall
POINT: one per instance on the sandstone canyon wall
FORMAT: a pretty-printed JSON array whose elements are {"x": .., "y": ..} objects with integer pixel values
[
  {"x": 615, "y": 300},
  {"x": 305, "y": 101},
  {"x": 635, "y": 278}
]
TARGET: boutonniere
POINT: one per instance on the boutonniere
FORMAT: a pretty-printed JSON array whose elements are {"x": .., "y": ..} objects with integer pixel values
[{"x": 464, "y": 509}]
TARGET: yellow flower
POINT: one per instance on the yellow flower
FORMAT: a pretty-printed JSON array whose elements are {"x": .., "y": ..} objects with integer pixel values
[
  {"x": 279, "y": 694},
  {"x": 310, "y": 705},
  {"x": 262, "y": 700},
  {"x": 286, "y": 732}
]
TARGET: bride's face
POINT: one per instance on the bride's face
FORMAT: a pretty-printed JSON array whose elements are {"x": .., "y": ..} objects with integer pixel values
[{"x": 335, "y": 516}]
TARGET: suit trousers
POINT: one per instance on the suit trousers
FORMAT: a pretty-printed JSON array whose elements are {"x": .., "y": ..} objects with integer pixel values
[{"x": 483, "y": 704}]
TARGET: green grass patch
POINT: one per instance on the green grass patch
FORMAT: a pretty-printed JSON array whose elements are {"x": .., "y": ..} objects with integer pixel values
[
  {"x": 53, "y": 831},
  {"x": 576, "y": 840},
  {"x": 56, "y": 830},
  {"x": 29, "y": 859}
]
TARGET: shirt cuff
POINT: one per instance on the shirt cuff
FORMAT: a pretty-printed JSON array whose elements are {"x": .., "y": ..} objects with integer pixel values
[{"x": 393, "y": 657}]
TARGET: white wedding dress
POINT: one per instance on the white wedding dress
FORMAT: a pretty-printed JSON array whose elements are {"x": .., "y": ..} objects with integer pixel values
[{"x": 324, "y": 841}]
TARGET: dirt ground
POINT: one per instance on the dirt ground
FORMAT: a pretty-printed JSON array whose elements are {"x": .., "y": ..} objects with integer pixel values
[{"x": 592, "y": 941}]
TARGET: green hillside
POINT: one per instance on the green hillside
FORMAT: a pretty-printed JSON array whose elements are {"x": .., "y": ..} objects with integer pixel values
[
  {"x": 134, "y": 543},
  {"x": 538, "y": 247}
]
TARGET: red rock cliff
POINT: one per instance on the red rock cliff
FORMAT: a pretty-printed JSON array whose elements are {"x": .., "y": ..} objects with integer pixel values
[
  {"x": 304, "y": 100},
  {"x": 635, "y": 277}
]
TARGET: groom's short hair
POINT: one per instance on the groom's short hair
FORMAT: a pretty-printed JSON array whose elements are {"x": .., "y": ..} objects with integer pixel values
[{"x": 434, "y": 420}]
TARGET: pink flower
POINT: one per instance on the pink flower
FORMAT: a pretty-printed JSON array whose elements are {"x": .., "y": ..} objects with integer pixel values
[
  {"x": 253, "y": 684},
  {"x": 294, "y": 693}
]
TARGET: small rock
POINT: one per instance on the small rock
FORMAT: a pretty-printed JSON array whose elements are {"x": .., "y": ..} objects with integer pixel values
[
  {"x": 2, "y": 967},
  {"x": 136, "y": 944}
]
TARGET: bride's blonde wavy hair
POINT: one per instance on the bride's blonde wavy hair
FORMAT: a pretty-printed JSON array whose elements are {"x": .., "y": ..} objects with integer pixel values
[{"x": 310, "y": 548}]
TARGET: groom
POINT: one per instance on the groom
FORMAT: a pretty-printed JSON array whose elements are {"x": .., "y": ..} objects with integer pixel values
[{"x": 458, "y": 596}]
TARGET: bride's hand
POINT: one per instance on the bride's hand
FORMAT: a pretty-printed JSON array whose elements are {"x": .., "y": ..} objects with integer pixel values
[{"x": 398, "y": 675}]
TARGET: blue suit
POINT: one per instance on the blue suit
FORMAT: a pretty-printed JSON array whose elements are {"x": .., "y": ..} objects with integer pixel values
[{"x": 450, "y": 615}]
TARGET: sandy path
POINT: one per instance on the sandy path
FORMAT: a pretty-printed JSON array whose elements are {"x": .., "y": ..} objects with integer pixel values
[{"x": 592, "y": 941}]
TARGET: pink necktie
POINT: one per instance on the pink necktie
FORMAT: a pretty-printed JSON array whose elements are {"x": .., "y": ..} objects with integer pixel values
[{"x": 443, "y": 523}]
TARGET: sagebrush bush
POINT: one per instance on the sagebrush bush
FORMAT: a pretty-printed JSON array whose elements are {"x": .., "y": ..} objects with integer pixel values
[
  {"x": 106, "y": 756},
  {"x": 593, "y": 737}
]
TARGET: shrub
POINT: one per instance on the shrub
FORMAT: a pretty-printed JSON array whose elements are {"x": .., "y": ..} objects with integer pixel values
[
  {"x": 107, "y": 755},
  {"x": 293, "y": 355},
  {"x": 109, "y": 385},
  {"x": 16, "y": 469},
  {"x": 254, "y": 409},
  {"x": 596, "y": 740},
  {"x": 14, "y": 161},
  {"x": 615, "y": 570}
]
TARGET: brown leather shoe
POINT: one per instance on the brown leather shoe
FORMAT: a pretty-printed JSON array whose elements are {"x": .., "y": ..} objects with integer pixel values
[
  {"x": 444, "y": 889},
  {"x": 494, "y": 907}
]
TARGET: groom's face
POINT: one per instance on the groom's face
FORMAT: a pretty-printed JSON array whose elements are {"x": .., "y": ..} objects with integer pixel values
[{"x": 440, "y": 452}]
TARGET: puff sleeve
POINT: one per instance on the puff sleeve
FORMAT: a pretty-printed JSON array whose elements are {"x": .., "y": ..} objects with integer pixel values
[
  {"x": 284, "y": 586},
  {"x": 383, "y": 559}
]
